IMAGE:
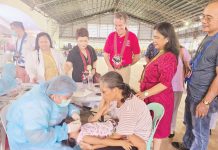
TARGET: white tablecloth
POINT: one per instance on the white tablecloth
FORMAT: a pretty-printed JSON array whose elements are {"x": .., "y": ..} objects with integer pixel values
[
  {"x": 14, "y": 94},
  {"x": 86, "y": 96}
]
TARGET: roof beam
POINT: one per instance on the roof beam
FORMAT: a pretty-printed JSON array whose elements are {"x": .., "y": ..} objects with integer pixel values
[
  {"x": 45, "y": 3},
  {"x": 88, "y": 16}
]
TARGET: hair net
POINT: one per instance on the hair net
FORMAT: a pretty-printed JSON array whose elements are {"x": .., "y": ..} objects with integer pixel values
[
  {"x": 8, "y": 78},
  {"x": 61, "y": 85}
]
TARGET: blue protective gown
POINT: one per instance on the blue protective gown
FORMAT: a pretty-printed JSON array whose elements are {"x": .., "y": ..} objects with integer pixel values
[
  {"x": 32, "y": 122},
  {"x": 8, "y": 78}
]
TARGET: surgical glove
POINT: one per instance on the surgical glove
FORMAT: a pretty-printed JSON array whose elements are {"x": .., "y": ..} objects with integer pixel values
[
  {"x": 74, "y": 126},
  {"x": 75, "y": 116}
]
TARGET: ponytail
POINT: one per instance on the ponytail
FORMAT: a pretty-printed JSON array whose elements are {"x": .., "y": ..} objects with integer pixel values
[{"x": 127, "y": 92}]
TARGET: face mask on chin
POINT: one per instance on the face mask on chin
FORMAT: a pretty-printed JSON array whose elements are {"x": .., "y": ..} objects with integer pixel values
[{"x": 64, "y": 102}]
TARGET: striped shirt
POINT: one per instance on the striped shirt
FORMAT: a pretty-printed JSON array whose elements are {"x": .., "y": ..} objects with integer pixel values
[{"x": 134, "y": 118}]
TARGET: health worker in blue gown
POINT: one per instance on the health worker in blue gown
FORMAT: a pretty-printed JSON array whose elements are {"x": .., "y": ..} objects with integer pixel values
[{"x": 33, "y": 120}]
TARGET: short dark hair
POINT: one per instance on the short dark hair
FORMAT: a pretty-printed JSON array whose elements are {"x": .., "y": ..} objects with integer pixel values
[
  {"x": 115, "y": 80},
  {"x": 40, "y": 35},
  {"x": 121, "y": 15},
  {"x": 17, "y": 24},
  {"x": 167, "y": 30},
  {"x": 82, "y": 32}
]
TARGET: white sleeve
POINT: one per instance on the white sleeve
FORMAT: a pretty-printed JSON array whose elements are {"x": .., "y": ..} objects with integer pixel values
[{"x": 30, "y": 65}]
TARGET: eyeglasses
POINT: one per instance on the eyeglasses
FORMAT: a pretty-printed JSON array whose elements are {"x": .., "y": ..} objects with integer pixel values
[{"x": 207, "y": 18}]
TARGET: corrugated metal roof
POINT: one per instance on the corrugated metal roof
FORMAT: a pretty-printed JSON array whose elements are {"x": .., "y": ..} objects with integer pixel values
[{"x": 148, "y": 11}]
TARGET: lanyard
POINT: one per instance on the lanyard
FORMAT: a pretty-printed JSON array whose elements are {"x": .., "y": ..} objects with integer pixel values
[
  {"x": 21, "y": 44},
  {"x": 198, "y": 56},
  {"x": 146, "y": 66},
  {"x": 124, "y": 43},
  {"x": 83, "y": 59}
]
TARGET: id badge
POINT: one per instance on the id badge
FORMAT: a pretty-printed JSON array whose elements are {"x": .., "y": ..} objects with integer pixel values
[{"x": 117, "y": 60}]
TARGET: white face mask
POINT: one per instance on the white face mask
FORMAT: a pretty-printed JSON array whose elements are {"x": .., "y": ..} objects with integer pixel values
[{"x": 64, "y": 102}]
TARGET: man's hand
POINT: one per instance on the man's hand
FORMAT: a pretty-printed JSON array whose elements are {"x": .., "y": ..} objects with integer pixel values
[{"x": 201, "y": 109}]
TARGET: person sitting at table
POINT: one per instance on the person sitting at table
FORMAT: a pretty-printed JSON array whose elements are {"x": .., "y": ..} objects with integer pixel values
[
  {"x": 45, "y": 62},
  {"x": 33, "y": 119},
  {"x": 134, "y": 119},
  {"x": 81, "y": 58}
]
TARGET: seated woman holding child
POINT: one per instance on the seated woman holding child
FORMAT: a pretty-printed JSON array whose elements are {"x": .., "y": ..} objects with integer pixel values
[{"x": 130, "y": 124}]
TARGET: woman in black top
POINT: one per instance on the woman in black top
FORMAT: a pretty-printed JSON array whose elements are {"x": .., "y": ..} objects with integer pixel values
[{"x": 81, "y": 56}]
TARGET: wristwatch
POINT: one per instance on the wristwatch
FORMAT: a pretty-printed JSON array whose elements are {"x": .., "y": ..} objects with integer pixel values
[
  {"x": 146, "y": 94},
  {"x": 206, "y": 102}
]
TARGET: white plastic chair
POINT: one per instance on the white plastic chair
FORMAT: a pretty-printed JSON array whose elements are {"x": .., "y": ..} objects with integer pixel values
[{"x": 3, "y": 128}]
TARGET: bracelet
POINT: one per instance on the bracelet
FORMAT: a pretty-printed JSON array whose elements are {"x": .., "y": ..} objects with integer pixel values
[
  {"x": 146, "y": 94},
  {"x": 206, "y": 102}
]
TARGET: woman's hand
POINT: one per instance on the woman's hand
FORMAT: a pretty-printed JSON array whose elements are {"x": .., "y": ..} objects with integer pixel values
[
  {"x": 68, "y": 68},
  {"x": 34, "y": 80},
  {"x": 75, "y": 116},
  {"x": 103, "y": 109},
  {"x": 126, "y": 144},
  {"x": 73, "y": 135},
  {"x": 188, "y": 71},
  {"x": 141, "y": 95}
]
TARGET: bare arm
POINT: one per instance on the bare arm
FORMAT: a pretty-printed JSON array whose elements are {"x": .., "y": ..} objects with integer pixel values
[
  {"x": 103, "y": 108},
  {"x": 115, "y": 140},
  {"x": 94, "y": 68},
  {"x": 135, "y": 58},
  {"x": 107, "y": 142},
  {"x": 94, "y": 64},
  {"x": 68, "y": 68},
  {"x": 106, "y": 58},
  {"x": 186, "y": 61}
]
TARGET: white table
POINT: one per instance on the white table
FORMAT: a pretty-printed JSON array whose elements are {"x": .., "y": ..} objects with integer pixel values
[
  {"x": 14, "y": 94},
  {"x": 86, "y": 96}
]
